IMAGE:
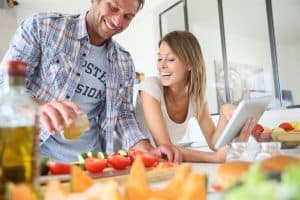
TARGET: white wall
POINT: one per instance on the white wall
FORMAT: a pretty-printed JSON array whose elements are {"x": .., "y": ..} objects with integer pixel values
[
  {"x": 11, "y": 18},
  {"x": 29, "y": 7},
  {"x": 8, "y": 26},
  {"x": 140, "y": 41},
  {"x": 142, "y": 36}
]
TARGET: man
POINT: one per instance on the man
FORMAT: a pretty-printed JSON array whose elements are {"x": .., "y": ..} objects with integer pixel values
[{"x": 75, "y": 67}]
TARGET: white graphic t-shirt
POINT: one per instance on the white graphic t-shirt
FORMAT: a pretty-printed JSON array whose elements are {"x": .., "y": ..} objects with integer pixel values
[{"x": 90, "y": 96}]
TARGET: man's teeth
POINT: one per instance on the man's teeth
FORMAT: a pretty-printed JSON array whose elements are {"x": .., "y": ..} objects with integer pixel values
[
  {"x": 166, "y": 74},
  {"x": 110, "y": 26}
]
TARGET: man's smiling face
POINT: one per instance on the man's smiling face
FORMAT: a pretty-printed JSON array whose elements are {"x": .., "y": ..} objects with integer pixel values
[{"x": 109, "y": 17}]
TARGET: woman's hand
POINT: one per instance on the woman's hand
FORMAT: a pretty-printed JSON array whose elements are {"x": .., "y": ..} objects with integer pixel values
[
  {"x": 227, "y": 110},
  {"x": 220, "y": 155},
  {"x": 169, "y": 152},
  {"x": 246, "y": 130}
]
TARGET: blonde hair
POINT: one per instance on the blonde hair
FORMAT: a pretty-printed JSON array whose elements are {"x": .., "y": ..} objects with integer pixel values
[{"x": 187, "y": 48}]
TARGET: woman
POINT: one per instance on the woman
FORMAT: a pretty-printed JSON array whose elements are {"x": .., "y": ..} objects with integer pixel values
[{"x": 170, "y": 100}]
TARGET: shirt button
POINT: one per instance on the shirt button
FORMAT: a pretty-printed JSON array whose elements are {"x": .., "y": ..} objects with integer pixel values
[
  {"x": 77, "y": 74},
  {"x": 68, "y": 97},
  {"x": 84, "y": 54},
  {"x": 57, "y": 61}
]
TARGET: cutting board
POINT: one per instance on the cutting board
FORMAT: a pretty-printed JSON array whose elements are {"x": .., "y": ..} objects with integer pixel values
[{"x": 153, "y": 175}]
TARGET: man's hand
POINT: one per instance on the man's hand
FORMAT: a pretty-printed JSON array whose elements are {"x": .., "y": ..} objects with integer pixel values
[
  {"x": 166, "y": 151},
  {"x": 55, "y": 115}
]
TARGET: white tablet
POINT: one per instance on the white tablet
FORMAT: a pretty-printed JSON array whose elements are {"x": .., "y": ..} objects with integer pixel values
[{"x": 250, "y": 108}]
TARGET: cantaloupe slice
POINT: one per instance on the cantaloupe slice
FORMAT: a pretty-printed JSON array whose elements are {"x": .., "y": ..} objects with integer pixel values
[
  {"x": 80, "y": 181},
  {"x": 194, "y": 187},
  {"x": 20, "y": 191},
  {"x": 54, "y": 190}
]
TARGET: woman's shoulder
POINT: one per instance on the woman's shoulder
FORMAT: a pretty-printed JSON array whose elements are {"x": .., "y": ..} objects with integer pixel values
[
  {"x": 152, "y": 86},
  {"x": 151, "y": 81}
]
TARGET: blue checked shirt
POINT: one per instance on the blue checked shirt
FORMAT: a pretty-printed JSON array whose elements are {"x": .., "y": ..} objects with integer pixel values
[{"x": 54, "y": 45}]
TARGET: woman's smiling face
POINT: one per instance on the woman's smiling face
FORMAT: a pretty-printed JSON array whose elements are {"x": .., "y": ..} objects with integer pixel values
[{"x": 171, "y": 69}]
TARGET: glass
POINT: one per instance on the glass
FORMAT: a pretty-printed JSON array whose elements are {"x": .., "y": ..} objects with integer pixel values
[
  {"x": 286, "y": 26},
  {"x": 268, "y": 149},
  {"x": 18, "y": 133},
  {"x": 77, "y": 128},
  {"x": 237, "y": 151}
]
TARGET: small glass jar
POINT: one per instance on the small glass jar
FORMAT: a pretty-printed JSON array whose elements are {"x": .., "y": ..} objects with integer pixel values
[
  {"x": 77, "y": 128},
  {"x": 236, "y": 151},
  {"x": 268, "y": 149}
]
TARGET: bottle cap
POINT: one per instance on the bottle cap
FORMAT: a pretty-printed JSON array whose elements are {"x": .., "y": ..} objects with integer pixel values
[{"x": 16, "y": 68}]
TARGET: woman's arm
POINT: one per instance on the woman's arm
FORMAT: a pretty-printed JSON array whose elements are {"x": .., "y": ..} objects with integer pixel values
[
  {"x": 210, "y": 131},
  {"x": 154, "y": 118},
  {"x": 190, "y": 155}
]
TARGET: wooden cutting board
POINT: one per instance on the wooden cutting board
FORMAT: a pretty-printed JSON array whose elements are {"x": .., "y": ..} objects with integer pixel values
[{"x": 153, "y": 175}]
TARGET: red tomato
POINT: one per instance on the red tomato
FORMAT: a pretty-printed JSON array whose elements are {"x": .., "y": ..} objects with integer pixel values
[
  {"x": 119, "y": 162},
  {"x": 286, "y": 126},
  {"x": 217, "y": 188},
  {"x": 95, "y": 165},
  {"x": 258, "y": 129},
  {"x": 132, "y": 153},
  {"x": 163, "y": 164},
  {"x": 56, "y": 168},
  {"x": 148, "y": 159}
]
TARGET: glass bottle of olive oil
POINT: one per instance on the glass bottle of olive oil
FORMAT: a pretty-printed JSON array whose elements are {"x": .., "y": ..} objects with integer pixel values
[{"x": 19, "y": 139}]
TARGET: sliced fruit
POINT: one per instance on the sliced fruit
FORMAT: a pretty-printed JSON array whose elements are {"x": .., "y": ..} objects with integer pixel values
[
  {"x": 257, "y": 129},
  {"x": 276, "y": 132},
  {"x": 118, "y": 162},
  {"x": 149, "y": 159},
  {"x": 82, "y": 157},
  {"x": 57, "y": 168},
  {"x": 101, "y": 155},
  {"x": 297, "y": 126},
  {"x": 122, "y": 152},
  {"x": 95, "y": 165},
  {"x": 79, "y": 164},
  {"x": 20, "y": 191},
  {"x": 286, "y": 126},
  {"x": 80, "y": 181}
]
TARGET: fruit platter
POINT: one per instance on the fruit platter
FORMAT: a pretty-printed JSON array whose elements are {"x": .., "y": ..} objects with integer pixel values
[{"x": 288, "y": 133}]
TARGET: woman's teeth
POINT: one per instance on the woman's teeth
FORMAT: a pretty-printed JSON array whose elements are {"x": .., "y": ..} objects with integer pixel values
[{"x": 166, "y": 74}]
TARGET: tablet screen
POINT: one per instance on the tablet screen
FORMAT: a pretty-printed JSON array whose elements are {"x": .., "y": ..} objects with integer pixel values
[{"x": 249, "y": 108}]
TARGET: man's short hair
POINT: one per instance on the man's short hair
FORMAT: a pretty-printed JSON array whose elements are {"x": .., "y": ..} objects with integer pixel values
[{"x": 141, "y": 4}]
